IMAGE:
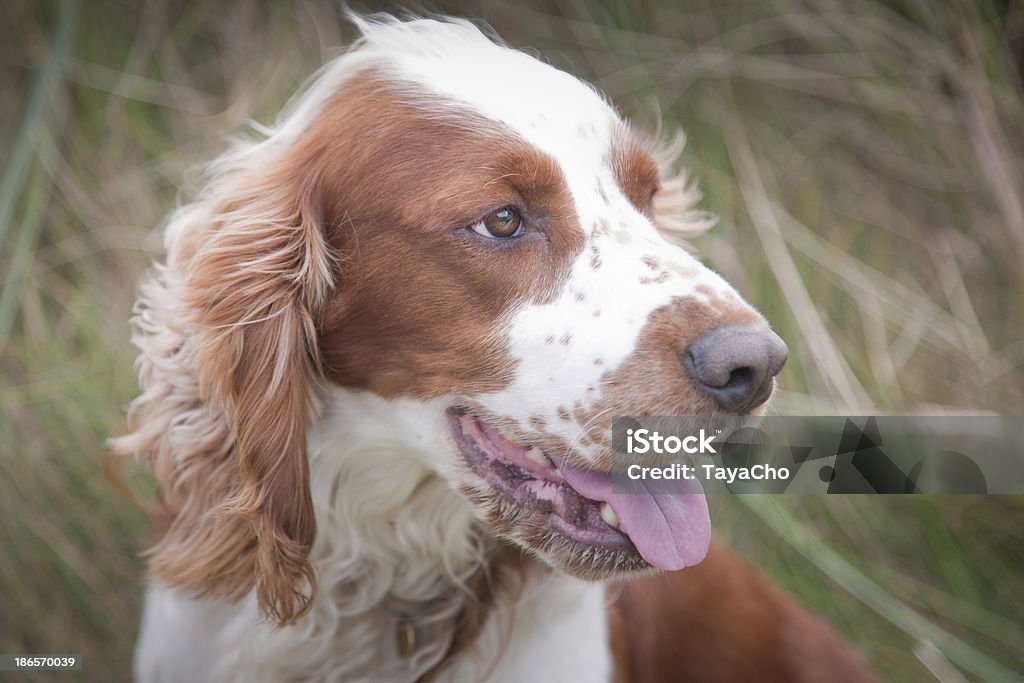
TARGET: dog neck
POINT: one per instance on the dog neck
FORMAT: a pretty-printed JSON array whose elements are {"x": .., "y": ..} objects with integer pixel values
[{"x": 407, "y": 572}]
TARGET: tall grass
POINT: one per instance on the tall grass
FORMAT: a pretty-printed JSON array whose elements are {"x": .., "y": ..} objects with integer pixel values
[{"x": 865, "y": 159}]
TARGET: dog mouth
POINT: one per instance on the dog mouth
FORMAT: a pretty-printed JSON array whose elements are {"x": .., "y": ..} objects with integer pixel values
[{"x": 573, "y": 515}]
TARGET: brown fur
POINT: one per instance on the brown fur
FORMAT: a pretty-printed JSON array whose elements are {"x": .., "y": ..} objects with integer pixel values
[
  {"x": 417, "y": 311},
  {"x": 643, "y": 384},
  {"x": 254, "y": 291},
  {"x": 327, "y": 264},
  {"x": 719, "y": 622},
  {"x": 636, "y": 173}
]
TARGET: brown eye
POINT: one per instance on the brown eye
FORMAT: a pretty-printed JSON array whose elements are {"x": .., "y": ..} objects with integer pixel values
[{"x": 502, "y": 224}]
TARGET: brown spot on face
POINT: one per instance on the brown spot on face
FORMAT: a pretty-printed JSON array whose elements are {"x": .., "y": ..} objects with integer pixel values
[
  {"x": 565, "y": 339},
  {"x": 598, "y": 361},
  {"x": 537, "y": 422},
  {"x": 601, "y": 227},
  {"x": 550, "y": 339},
  {"x": 562, "y": 413},
  {"x": 661, "y": 277},
  {"x": 581, "y": 414},
  {"x": 595, "y": 257},
  {"x": 651, "y": 262},
  {"x": 392, "y": 328}
]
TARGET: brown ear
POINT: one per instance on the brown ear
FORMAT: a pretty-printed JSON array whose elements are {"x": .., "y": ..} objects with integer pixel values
[{"x": 255, "y": 278}]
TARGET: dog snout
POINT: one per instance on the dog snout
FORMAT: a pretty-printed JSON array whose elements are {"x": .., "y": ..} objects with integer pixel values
[{"x": 736, "y": 364}]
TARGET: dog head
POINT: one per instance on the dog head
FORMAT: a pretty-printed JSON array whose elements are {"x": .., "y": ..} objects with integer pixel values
[{"x": 452, "y": 225}]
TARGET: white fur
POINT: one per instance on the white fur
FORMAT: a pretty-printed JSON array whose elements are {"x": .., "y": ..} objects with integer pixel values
[
  {"x": 575, "y": 125},
  {"x": 388, "y": 526},
  {"x": 385, "y": 475}
]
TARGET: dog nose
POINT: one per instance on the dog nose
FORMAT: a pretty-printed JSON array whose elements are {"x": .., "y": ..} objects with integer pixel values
[{"x": 736, "y": 364}]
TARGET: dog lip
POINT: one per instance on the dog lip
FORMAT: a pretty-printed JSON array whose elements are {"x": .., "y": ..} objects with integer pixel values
[{"x": 567, "y": 512}]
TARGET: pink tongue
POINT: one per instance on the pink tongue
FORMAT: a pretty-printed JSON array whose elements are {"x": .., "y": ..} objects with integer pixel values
[{"x": 670, "y": 530}]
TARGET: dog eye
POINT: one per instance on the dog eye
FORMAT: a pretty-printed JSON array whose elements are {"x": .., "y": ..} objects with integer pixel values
[{"x": 502, "y": 224}]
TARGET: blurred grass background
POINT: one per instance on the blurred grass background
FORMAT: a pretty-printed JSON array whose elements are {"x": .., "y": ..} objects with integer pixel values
[{"x": 865, "y": 159}]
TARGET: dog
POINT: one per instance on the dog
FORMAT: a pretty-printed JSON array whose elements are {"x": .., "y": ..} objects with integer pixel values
[{"x": 378, "y": 370}]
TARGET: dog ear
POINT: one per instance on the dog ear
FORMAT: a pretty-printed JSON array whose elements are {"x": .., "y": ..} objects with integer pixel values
[
  {"x": 675, "y": 203},
  {"x": 256, "y": 288},
  {"x": 250, "y": 270}
]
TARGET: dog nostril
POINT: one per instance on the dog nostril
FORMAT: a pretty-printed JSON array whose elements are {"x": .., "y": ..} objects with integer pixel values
[
  {"x": 736, "y": 364},
  {"x": 740, "y": 377}
]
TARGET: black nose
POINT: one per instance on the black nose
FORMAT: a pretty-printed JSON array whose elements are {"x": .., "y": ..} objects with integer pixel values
[{"x": 736, "y": 364}]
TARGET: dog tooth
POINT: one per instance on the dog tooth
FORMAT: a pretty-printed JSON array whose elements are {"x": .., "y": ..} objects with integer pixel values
[
  {"x": 537, "y": 455},
  {"x": 608, "y": 515}
]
